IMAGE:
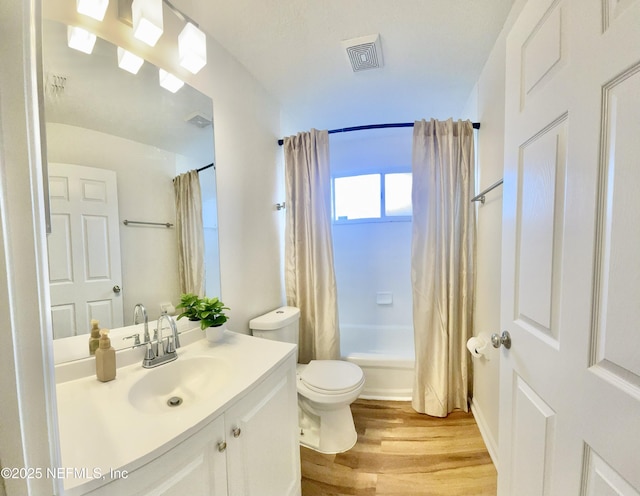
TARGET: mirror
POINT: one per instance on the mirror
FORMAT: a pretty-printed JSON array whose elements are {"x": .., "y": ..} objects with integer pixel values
[{"x": 104, "y": 123}]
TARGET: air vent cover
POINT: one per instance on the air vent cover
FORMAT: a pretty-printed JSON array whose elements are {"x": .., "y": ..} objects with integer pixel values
[
  {"x": 55, "y": 84},
  {"x": 198, "y": 119},
  {"x": 364, "y": 53}
]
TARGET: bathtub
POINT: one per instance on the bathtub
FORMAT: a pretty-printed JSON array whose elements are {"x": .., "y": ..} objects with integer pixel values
[{"x": 385, "y": 354}]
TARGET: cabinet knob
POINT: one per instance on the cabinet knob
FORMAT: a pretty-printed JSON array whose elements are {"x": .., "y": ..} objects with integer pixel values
[
  {"x": 236, "y": 432},
  {"x": 222, "y": 446}
]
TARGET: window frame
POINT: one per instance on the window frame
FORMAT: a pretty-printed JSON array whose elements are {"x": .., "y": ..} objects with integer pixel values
[{"x": 381, "y": 172}]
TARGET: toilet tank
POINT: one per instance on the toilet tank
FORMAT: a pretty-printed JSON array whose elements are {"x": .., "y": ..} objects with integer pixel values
[{"x": 280, "y": 324}]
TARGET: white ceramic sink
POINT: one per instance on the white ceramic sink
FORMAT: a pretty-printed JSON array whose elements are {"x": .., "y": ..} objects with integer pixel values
[
  {"x": 190, "y": 380},
  {"x": 129, "y": 419}
]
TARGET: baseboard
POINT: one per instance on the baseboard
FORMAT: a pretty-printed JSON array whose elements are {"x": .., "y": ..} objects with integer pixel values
[
  {"x": 386, "y": 395},
  {"x": 488, "y": 439}
]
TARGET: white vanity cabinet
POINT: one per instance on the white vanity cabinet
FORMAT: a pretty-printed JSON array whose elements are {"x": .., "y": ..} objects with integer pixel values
[
  {"x": 196, "y": 466},
  {"x": 251, "y": 449},
  {"x": 263, "y": 454}
]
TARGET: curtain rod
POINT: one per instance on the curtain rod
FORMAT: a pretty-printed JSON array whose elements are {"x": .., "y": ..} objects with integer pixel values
[
  {"x": 476, "y": 125},
  {"x": 200, "y": 170}
]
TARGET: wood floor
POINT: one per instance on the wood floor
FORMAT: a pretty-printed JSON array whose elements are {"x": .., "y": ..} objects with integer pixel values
[{"x": 402, "y": 453}]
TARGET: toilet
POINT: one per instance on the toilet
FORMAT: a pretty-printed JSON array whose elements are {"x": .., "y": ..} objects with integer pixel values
[{"x": 326, "y": 388}]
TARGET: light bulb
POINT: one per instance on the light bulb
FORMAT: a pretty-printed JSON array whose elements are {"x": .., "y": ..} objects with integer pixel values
[
  {"x": 169, "y": 82},
  {"x": 80, "y": 39},
  {"x": 192, "y": 48}
]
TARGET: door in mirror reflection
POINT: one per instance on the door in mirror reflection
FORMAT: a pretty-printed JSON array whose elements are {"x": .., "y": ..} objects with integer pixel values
[{"x": 84, "y": 249}]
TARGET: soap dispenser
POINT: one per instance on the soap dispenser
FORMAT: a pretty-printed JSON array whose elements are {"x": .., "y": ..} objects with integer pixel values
[
  {"x": 95, "y": 336},
  {"x": 105, "y": 358}
]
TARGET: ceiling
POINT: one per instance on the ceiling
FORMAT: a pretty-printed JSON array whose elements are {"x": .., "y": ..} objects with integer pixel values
[{"x": 433, "y": 53}]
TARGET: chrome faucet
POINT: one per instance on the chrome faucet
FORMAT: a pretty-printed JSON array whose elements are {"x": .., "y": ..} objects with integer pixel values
[
  {"x": 140, "y": 310},
  {"x": 161, "y": 352}
]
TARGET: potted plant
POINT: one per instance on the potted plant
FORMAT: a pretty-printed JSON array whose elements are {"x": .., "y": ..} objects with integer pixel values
[
  {"x": 189, "y": 303},
  {"x": 209, "y": 311}
]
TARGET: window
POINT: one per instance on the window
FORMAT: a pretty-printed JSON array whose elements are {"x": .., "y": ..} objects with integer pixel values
[
  {"x": 397, "y": 188},
  {"x": 372, "y": 197}
]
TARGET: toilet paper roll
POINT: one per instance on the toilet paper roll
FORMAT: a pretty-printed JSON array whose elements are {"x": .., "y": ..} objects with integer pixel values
[{"x": 476, "y": 346}]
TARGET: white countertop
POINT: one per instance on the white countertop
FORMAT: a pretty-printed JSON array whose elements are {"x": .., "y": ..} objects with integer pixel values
[{"x": 101, "y": 430}]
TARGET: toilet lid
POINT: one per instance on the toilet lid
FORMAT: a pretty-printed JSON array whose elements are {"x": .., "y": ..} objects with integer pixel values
[{"x": 331, "y": 376}]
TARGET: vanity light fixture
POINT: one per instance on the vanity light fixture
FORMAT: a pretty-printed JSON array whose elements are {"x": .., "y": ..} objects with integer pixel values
[
  {"x": 92, "y": 8},
  {"x": 80, "y": 39},
  {"x": 192, "y": 48},
  {"x": 129, "y": 61},
  {"x": 169, "y": 82},
  {"x": 146, "y": 16}
]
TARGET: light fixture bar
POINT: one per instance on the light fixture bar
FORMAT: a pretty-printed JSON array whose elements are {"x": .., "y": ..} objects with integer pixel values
[
  {"x": 80, "y": 39},
  {"x": 192, "y": 48},
  {"x": 169, "y": 82},
  {"x": 146, "y": 16},
  {"x": 179, "y": 14},
  {"x": 95, "y": 9}
]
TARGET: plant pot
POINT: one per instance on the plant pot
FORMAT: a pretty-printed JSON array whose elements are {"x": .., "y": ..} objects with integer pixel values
[{"x": 214, "y": 334}]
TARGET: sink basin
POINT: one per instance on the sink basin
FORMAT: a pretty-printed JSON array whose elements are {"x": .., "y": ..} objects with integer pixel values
[{"x": 191, "y": 380}]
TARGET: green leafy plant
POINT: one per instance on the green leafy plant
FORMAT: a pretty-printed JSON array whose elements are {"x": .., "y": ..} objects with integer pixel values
[
  {"x": 189, "y": 303},
  {"x": 209, "y": 311}
]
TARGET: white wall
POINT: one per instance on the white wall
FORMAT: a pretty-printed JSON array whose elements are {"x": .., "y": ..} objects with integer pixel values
[
  {"x": 248, "y": 161},
  {"x": 373, "y": 257},
  {"x": 145, "y": 192},
  {"x": 487, "y": 103},
  {"x": 210, "y": 226}
]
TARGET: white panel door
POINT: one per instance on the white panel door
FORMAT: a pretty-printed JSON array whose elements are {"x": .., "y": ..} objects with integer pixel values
[
  {"x": 570, "y": 383},
  {"x": 84, "y": 249}
]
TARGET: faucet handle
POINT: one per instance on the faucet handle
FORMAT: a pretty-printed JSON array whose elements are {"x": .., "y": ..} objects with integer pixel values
[
  {"x": 135, "y": 337},
  {"x": 149, "y": 355}
]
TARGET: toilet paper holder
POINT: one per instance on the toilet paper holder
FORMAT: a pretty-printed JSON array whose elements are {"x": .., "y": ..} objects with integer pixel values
[{"x": 477, "y": 346}]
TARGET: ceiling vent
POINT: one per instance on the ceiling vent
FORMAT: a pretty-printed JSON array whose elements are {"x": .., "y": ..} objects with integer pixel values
[
  {"x": 198, "y": 119},
  {"x": 364, "y": 53},
  {"x": 55, "y": 84}
]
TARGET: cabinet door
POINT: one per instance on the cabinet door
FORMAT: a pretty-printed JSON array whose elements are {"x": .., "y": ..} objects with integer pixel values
[
  {"x": 195, "y": 467},
  {"x": 263, "y": 454}
]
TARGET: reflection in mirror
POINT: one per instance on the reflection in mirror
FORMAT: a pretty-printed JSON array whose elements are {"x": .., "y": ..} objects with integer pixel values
[{"x": 115, "y": 141}]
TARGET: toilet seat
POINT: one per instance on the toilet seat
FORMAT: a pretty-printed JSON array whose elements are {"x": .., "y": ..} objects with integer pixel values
[{"x": 332, "y": 376}]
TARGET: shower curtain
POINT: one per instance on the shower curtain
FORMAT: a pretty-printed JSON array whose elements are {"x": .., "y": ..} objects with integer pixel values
[
  {"x": 310, "y": 281},
  {"x": 189, "y": 227},
  {"x": 442, "y": 264}
]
